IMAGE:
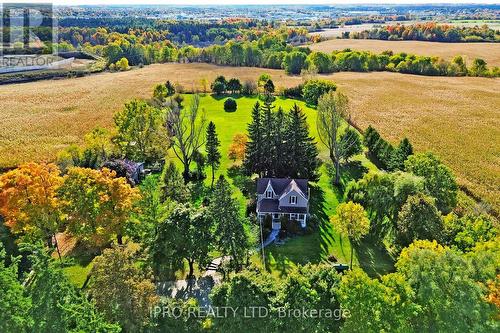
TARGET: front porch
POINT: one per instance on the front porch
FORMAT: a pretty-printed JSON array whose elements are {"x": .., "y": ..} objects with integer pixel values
[{"x": 277, "y": 217}]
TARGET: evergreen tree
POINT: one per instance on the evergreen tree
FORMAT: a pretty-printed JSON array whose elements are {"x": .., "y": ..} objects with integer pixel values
[
  {"x": 268, "y": 144},
  {"x": 400, "y": 154},
  {"x": 212, "y": 149},
  {"x": 230, "y": 232},
  {"x": 173, "y": 184},
  {"x": 280, "y": 157},
  {"x": 301, "y": 149},
  {"x": 170, "y": 88},
  {"x": 14, "y": 306},
  {"x": 254, "y": 149},
  {"x": 56, "y": 304}
]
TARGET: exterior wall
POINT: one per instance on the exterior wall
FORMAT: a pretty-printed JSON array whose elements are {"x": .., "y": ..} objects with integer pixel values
[{"x": 301, "y": 202}]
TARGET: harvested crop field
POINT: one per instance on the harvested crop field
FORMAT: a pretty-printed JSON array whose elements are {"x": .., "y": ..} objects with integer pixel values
[
  {"x": 490, "y": 52},
  {"x": 457, "y": 118}
]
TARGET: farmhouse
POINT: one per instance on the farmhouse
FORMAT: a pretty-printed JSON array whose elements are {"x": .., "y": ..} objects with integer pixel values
[{"x": 279, "y": 197}]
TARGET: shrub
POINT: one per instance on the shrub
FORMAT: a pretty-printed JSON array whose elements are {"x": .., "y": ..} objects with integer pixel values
[
  {"x": 314, "y": 89},
  {"x": 249, "y": 88},
  {"x": 294, "y": 92},
  {"x": 230, "y": 105},
  {"x": 122, "y": 64},
  {"x": 218, "y": 88}
]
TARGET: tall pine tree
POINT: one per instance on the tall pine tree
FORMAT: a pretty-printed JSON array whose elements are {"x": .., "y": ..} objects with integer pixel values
[
  {"x": 254, "y": 149},
  {"x": 268, "y": 139},
  {"x": 279, "y": 158},
  {"x": 212, "y": 149},
  {"x": 231, "y": 235},
  {"x": 302, "y": 153}
]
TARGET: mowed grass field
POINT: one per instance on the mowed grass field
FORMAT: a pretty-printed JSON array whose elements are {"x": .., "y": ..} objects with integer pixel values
[
  {"x": 457, "y": 118},
  {"x": 490, "y": 52}
]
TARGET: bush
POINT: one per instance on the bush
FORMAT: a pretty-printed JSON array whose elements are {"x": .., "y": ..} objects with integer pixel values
[
  {"x": 218, "y": 88},
  {"x": 249, "y": 88},
  {"x": 314, "y": 89},
  {"x": 294, "y": 92},
  {"x": 122, "y": 64},
  {"x": 230, "y": 105}
]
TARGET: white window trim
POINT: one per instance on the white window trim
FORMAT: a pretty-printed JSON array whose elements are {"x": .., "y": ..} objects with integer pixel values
[{"x": 293, "y": 200}]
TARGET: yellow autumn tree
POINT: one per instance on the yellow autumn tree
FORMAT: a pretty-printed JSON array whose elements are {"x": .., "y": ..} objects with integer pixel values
[
  {"x": 237, "y": 147},
  {"x": 97, "y": 204},
  {"x": 28, "y": 201}
]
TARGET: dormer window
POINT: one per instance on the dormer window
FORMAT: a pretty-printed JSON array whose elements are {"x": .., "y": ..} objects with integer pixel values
[
  {"x": 269, "y": 194},
  {"x": 293, "y": 200}
]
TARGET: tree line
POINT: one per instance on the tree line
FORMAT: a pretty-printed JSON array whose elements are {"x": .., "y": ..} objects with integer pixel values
[{"x": 429, "y": 31}]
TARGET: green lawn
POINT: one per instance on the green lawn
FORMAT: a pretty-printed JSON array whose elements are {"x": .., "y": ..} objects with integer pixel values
[{"x": 77, "y": 273}]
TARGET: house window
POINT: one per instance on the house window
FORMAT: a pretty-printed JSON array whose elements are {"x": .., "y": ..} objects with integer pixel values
[
  {"x": 301, "y": 216},
  {"x": 293, "y": 200},
  {"x": 276, "y": 216},
  {"x": 293, "y": 216},
  {"x": 269, "y": 194}
]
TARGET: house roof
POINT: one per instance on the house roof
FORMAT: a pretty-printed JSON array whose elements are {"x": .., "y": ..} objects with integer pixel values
[
  {"x": 282, "y": 186},
  {"x": 272, "y": 206}
]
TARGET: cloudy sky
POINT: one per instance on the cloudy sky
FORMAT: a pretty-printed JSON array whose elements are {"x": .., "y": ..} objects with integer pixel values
[{"x": 244, "y": 2}]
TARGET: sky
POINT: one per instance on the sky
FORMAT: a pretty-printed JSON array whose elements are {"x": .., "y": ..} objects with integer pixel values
[{"x": 244, "y": 2}]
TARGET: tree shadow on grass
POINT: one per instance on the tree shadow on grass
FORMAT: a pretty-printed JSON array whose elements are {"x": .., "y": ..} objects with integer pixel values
[
  {"x": 224, "y": 96},
  {"x": 243, "y": 182},
  {"x": 373, "y": 257},
  {"x": 352, "y": 170}
]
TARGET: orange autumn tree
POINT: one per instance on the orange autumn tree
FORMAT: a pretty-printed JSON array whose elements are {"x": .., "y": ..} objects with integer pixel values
[
  {"x": 97, "y": 204},
  {"x": 28, "y": 201},
  {"x": 237, "y": 147}
]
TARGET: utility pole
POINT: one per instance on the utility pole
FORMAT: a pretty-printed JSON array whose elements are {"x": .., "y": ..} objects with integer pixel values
[{"x": 262, "y": 243}]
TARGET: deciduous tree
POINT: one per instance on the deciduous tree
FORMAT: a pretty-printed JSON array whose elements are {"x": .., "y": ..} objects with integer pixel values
[
  {"x": 333, "y": 113},
  {"x": 141, "y": 134},
  {"x": 440, "y": 182},
  {"x": 29, "y": 201},
  {"x": 238, "y": 147},
  {"x": 121, "y": 291},
  {"x": 186, "y": 128},
  {"x": 418, "y": 219},
  {"x": 98, "y": 205},
  {"x": 351, "y": 220}
]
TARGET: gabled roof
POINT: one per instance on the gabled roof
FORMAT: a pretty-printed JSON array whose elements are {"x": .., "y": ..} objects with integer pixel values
[
  {"x": 272, "y": 206},
  {"x": 282, "y": 186},
  {"x": 293, "y": 186}
]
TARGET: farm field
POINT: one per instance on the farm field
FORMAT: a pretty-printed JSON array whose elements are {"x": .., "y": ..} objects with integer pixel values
[
  {"x": 457, "y": 118},
  {"x": 490, "y": 52}
]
